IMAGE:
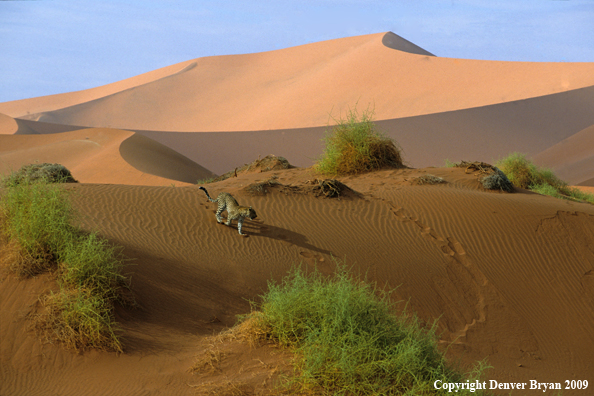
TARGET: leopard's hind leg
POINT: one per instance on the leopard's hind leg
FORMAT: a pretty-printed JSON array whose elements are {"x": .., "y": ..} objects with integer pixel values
[{"x": 220, "y": 210}]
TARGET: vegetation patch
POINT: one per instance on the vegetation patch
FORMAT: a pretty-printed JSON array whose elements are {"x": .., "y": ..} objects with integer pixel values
[
  {"x": 491, "y": 177},
  {"x": 428, "y": 179},
  {"x": 37, "y": 218},
  {"x": 330, "y": 188},
  {"x": 261, "y": 188},
  {"x": 51, "y": 173},
  {"x": 355, "y": 145},
  {"x": 349, "y": 341},
  {"x": 525, "y": 174}
]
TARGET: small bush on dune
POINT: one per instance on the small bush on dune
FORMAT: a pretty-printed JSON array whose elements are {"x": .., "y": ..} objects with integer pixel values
[
  {"x": 523, "y": 173},
  {"x": 355, "y": 146},
  {"x": 38, "y": 218},
  {"x": 51, "y": 173},
  {"x": 348, "y": 341}
]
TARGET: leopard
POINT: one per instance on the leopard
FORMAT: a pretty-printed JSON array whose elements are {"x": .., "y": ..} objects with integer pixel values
[{"x": 225, "y": 201}]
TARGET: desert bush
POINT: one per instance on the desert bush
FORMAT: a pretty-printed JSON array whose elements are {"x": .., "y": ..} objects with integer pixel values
[
  {"x": 428, "y": 179},
  {"x": 355, "y": 145},
  {"x": 348, "y": 341},
  {"x": 51, "y": 173},
  {"x": 38, "y": 217},
  {"x": 497, "y": 181},
  {"x": 525, "y": 174}
]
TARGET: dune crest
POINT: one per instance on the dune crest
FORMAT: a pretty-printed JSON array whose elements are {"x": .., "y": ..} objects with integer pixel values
[
  {"x": 101, "y": 155},
  {"x": 300, "y": 86}
]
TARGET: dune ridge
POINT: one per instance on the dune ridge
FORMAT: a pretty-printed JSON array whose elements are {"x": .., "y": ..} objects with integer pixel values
[
  {"x": 486, "y": 133},
  {"x": 572, "y": 159},
  {"x": 26, "y": 107},
  {"x": 101, "y": 155},
  {"x": 298, "y": 87}
]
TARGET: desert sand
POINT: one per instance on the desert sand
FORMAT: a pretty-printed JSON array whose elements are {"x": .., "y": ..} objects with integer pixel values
[{"x": 508, "y": 277}]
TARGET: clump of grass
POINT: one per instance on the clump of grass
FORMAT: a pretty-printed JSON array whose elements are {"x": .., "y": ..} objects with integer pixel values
[
  {"x": 205, "y": 181},
  {"x": 348, "y": 341},
  {"x": 38, "y": 217},
  {"x": 355, "y": 145},
  {"x": 52, "y": 173},
  {"x": 525, "y": 174}
]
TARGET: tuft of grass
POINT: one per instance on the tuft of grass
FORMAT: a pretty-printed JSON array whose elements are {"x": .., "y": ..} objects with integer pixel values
[
  {"x": 205, "y": 181},
  {"x": 449, "y": 164},
  {"x": 525, "y": 174},
  {"x": 348, "y": 341},
  {"x": 38, "y": 219},
  {"x": 355, "y": 146}
]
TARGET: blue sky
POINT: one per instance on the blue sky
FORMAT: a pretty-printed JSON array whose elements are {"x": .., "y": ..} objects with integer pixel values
[{"x": 54, "y": 46}]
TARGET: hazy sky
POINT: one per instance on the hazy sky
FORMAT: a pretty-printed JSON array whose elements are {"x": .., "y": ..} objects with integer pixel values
[{"x": 54, "y": 46}]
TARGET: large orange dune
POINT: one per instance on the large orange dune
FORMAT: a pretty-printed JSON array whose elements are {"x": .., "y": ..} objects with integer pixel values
[
  {"x": 507, "y": 277},
  {"x": 300, "y": 86}
]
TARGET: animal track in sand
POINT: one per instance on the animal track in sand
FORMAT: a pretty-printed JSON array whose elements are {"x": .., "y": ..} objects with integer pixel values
[{"x": 468, "y": 292}]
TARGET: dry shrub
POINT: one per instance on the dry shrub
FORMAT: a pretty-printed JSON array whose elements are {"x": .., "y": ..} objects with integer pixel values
[
  {"x": 78, "y": 319},
  {"x": 209, "y": 362},
  {"x": 266, "y": 164},
  {"x": 261, "y": 187},
  {"x": 428, "y": 179},
  {"x": 491, "y": 177},
  {"x": 251, "y": 330},
  {"x": 329, "y": 188}
]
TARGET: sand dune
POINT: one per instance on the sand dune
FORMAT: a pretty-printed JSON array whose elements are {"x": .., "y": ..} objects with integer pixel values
[
  {"x": 508, "y": 276},
  {"x": 300, "y": 86},
  {"x": 531, "y": 126},
  {"x": 484, "y": 134},
  {"x": 8, "y": 125},
  {"x": 26, "y": 107},
  {"x": 101, "y": 155},
  {"x": 572, "y": 159}
]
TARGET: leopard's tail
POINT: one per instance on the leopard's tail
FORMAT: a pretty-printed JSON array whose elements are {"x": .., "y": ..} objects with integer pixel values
[{"x": 206, "y": 192}]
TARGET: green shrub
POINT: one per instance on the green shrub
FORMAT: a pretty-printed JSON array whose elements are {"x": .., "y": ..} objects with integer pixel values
[
  {"x": 355, "y": 146},
  {"x": 37, "y": 216},
  {"x": 348, "y": 341},
  {"x": 523, "y": 173},
  {"x": 51, "y": 173}
]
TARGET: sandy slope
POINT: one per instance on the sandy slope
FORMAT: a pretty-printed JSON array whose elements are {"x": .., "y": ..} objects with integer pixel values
[
  {"x": 102, "y": 155},
  {"x": 298, "y": 87},
  {"x": 572, "y": 158},
  {"x": 19, "y": 108},
  {"x": 508, "y": 276},
  {"x": 483, "y": 133},
  {"x": 8, "y": 125}
]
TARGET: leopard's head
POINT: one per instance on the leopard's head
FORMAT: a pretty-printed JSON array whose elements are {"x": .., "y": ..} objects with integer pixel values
[{"x": 251, "y": 213}]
